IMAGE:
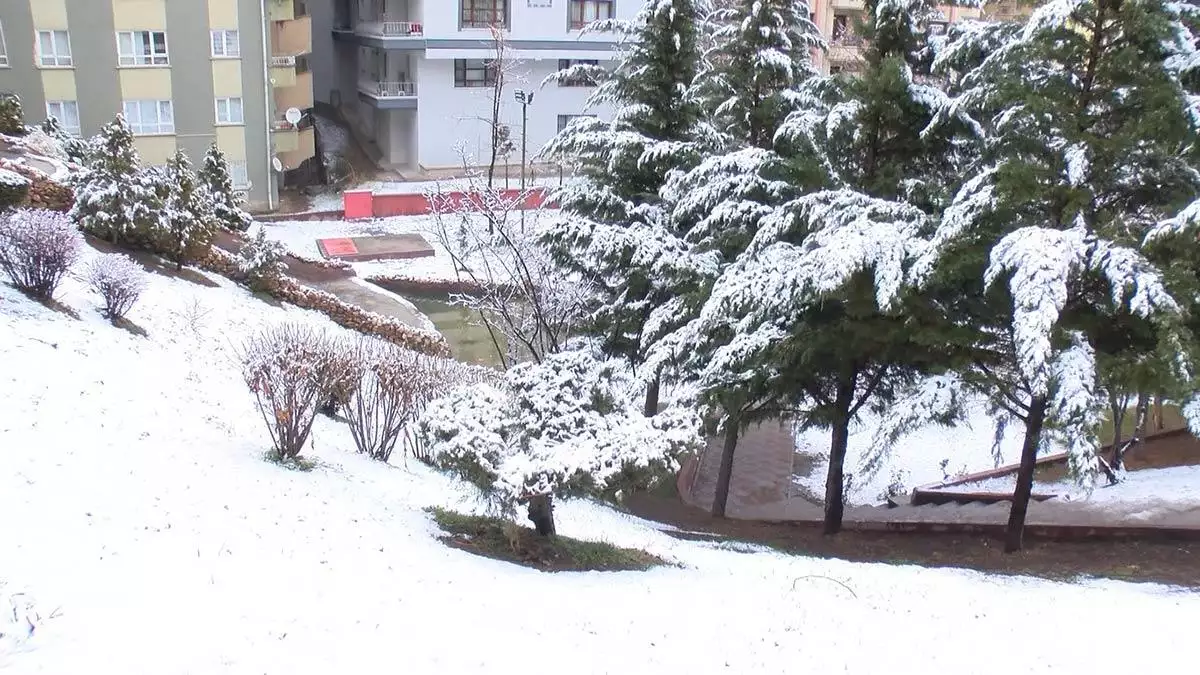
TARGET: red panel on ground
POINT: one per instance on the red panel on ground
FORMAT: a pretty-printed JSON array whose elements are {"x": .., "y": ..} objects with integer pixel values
[
  {"x": 385, "y": 205},
  {"x": 357, "y": 204},
  {"x": 338, "y": 247}
]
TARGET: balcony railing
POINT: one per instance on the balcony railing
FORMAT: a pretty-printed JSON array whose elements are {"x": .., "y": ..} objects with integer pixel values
[
  {"x": 283, "y": 62},
  {"x": 386, "y": 27},
  {"x": 390, "y": 89}
]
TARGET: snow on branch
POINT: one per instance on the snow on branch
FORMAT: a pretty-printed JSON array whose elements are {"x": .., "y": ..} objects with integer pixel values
[
  {"x": 974, "y": 199},
  {"x": 1075, "y": 408},
  {"x": 1187, "y": 220},
  {"x": 934, "y": 400}
]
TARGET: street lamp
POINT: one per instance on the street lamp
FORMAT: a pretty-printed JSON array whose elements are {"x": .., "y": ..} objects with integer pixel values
[{"x": 525, "y": 98}]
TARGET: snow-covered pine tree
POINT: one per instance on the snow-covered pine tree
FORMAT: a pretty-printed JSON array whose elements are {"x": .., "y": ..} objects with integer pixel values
[
  {"x": 815, "y": 312},
  {"x": 75, "y": 147},
  {"x": 1043, "y": 252},
  {"x": 614, "y": 229},
  {"x": 227, "y": 205},
  {"x": 760, "y": 54},
  {"x": 114, "y": 198},
  {"x": 188, "y": 225},
  {"x": 12, "y": 117}
]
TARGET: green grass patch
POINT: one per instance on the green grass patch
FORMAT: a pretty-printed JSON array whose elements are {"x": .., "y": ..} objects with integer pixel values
[
  {"x": 293, "y": 463},
  {"x": 502, "y": 539}
]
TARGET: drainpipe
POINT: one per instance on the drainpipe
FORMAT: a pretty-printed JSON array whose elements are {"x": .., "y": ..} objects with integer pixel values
[{"x": 268, "y": 101}]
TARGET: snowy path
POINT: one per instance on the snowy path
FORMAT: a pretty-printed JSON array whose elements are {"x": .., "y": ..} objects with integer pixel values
[{"x": 138, "y": 511}]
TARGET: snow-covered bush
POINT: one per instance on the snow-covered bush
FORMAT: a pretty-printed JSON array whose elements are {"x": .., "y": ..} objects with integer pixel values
[
  {"x": 38, "y": 142},
  {"x": 119, "y": 281},
  {"x": 568, "y": 426},
  {"x": 12, "y": 118},
  {"x": 292, "y": 370},
  {"x": 37, "y": 249},
  {"x": 115, "y": 199},
  {"x": 70, "y": 146},
  {"x": 13, "y": 188},
  {"x": 185, "y": 233},
  {"x": 227, "y": 207},
  {"x": 260, "y": 260},
  {"x": 387, "y": 382}
]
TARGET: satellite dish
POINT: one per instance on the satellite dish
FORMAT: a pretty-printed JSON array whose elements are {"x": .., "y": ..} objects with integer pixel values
[
  {"x": 277, "y": 165},
  {"x": 293, "y": 116}
]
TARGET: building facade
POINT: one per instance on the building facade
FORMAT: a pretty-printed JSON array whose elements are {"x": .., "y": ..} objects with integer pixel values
[
  {"x": 837, "y": 20},
  {"x": 412, "y": 76},
  {"x": 185, "y": 73}
]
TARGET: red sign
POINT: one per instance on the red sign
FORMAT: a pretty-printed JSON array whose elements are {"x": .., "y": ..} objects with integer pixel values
[{"x": 339, "y": 247}]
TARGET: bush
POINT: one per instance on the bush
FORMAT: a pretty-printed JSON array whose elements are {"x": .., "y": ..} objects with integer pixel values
[
  {"x": 292, "y": 370},
  {"x": 119, "y": 281},
  {"x": 260, "y": 260},
  {"x": 37, "y": 249},
  {"x": 12, "y": 118},
  {"x": 14, "y": 188}
]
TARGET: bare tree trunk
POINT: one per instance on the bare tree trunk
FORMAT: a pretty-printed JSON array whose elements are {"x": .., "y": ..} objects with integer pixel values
[
  {"x": 835, "y": 479},
  {"x": 651, "y": 407},
  {"x": 1139, "y": 430},
  {"x": 1159, "y": 423},
  {"x": 1015, "y": 531},
  {"x": 541, "y": 514},
  {"x": 725, "y": 474}
]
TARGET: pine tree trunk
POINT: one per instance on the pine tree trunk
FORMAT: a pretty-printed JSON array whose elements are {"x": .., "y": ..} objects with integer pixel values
[
  {"x": 1020, "y": 506},
  {"x": 651, "y": 407},
  {"x": 541, "y": 514},
  {"x": 1139, "y": 430},
  {"x": 1117, "y": 402},
  {"x": 725, "y": 474},
  {"x": 835, "y": 479},
  {"x": 1158, "y": 413}
]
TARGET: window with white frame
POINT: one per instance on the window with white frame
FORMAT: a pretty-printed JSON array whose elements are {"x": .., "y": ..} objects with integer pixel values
[
  {"x": 67, "y": 114},
  {"x": 226, "y": 44},
  {"x": 483, "y": 13},
  {"x": 142, "y": 48},
  {"x": 229, "y": 111},
  {"x": 3, "y": 48},
  {"x": 239, "y": 175},
  {"x": 54, "y": 49},
  {"x": 583, "y": 12},
  {"x": 150, "y": 117},
  {"x": 564, "y": 121}
]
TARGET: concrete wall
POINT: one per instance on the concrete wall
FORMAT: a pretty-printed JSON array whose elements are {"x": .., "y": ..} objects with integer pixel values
[
  {"x": 449, "y": 115},
  {"x": 322, "y": 62},
  {"x": 21, "y": 77}
]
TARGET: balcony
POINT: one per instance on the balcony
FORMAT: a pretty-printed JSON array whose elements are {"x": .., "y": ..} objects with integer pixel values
[
  {"x": 389, "y": 95},
  {"x": 388, "y": 28},
  {"x": 283, "y": 71},
  {"x": 294, "y": 147},
  {"x": 292, "y": 38},
  {"x": 852, "y": 5},
  {"x": 283, "y": 10},
  {"x": 298, "y": 95}
]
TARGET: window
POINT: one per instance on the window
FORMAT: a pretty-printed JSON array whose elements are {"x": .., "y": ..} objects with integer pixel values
[
  {"x": 225, "y": 44},
  {"x": 239, "y": 175},
  {"x": 565, "y": 120},
  {"x": 841, "y": 28},
  {"x": 142, "y": 48},
  {"x": 54, "y": 49},
  {"x": 584, "y": 12},
  {"x": 474, "y": 73},
  {"x": 150, "y": 117},
  {"x": 3, "y": 49},
  {"x": 937, "y": 27},
  {"x": 67, "y": 114},
  {"x": 229, "y": 111},
  {"x": 483, "y": 13},
  {"x": 579, "y": 80}
]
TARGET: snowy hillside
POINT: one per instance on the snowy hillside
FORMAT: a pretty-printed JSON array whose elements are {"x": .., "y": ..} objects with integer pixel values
[{"x": 143, "y": 531}]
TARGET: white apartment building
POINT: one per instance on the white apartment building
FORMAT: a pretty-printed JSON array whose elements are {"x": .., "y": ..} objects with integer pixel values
[{"x": 411, "y": 75}]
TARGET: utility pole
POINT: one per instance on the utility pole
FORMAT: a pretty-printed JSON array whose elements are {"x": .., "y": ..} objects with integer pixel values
[{"x": 525, "y": 98}]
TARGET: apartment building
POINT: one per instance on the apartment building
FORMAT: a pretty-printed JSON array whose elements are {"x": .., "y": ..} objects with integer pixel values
[
  {"x": 412, "y": 76},
  {"x": 185, "y": 73},
  {"x": 837, "y": 20}
]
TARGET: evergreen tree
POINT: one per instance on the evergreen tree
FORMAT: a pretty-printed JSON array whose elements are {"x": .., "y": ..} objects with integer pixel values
[
  {"x": 114, "y": 199},
  {"x": 759, "y": 57},
  {"x": 1049, "y": 252},
  {"x": 12, "y": 117},
  {"x": 227, "y": 206},
  {"x": 75, "y": 147},
  {"x": 187, "y": 230},
  {"x": 815, "y": 314},
  {"x": 615, "y": 230}
]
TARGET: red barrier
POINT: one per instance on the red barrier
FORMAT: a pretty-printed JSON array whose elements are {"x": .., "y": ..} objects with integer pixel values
[{"x": 365, "y": 204}]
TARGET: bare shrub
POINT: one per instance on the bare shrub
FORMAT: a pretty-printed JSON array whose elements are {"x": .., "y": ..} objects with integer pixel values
[
  {"x": 37, "y": 249},
  {"x": 292, "y": 370},
  {"x": 388, "y": 381},
  {"x": 119, "y": 281}
]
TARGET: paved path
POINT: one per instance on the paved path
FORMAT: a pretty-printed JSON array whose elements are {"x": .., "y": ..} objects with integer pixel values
[
  {"x": 762, "y": 469},
  {"x": 379, "y": 302}
]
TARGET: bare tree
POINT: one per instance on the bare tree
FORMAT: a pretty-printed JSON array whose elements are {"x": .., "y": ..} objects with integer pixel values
[
  {"x": 501, "y": 67},
  {"x": 526, "y": 301}
]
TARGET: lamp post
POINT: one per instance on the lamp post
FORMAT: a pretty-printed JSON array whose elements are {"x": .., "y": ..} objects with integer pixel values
[{"x": 525, "y": 98}]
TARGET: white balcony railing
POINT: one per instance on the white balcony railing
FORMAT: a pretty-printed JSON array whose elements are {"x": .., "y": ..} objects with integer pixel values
[
  {"x": 391, "y": 89},
  {"x": 283, "y": 62},
  {"x": 386, "y": 27}
]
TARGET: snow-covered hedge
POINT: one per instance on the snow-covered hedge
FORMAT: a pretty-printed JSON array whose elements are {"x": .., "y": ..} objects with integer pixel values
[
  {"x": 37, "y": 249},
  {"x": 261, "y": 260},
  {"x": 570, "y": 425}
]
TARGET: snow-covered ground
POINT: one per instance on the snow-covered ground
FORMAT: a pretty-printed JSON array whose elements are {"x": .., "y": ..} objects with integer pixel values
[
  {"x": 144, "y": 533},
  {"x": 300, "y": 238},
  {"x": 917, "y": 459},
  {"x": 1178, "y": 485}
]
